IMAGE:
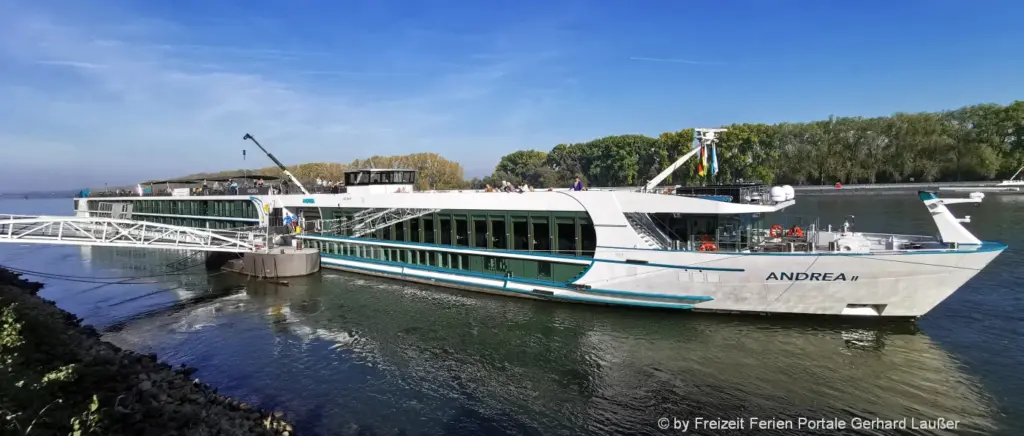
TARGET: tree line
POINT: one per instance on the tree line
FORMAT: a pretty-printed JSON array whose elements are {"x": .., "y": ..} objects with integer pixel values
[
  {"x": 980, "y": 142},
  {"x": 434, "y": 171}
]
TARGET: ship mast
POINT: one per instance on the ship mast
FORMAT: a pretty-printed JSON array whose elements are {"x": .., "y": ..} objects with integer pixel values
[
  {"x": 705, "y": 138},
  {"x": 279, "y": 164},
  {"x": 1016, "y": 173}
]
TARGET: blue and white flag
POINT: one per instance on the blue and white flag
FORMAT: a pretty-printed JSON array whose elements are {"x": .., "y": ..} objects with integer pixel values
[{"x": 714, "y": 160}]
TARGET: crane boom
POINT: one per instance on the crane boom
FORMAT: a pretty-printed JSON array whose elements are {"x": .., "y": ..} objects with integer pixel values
[{"x": 278, "y": 163}]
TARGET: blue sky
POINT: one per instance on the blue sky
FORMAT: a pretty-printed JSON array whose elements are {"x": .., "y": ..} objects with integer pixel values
[{"x": 119, "y": 90}]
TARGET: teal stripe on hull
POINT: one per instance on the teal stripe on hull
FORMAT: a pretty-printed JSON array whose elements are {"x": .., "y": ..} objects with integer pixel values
[{"x": 506, "y": 289}]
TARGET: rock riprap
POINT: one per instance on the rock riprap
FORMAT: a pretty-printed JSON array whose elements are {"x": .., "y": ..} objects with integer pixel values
[{"x": 57, "y": 376}]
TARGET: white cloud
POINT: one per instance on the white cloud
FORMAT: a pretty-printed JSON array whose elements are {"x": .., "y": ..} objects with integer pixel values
[
  {"x": 71, "y": 64},
  {"x": 675, "y": 61},
  {"x": 103, "y": 98}
]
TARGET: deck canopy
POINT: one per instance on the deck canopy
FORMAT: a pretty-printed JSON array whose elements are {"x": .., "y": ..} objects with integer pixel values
[{"x": 265, "y": 178}]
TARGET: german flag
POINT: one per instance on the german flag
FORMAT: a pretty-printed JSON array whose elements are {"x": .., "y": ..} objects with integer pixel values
[{"x": 702, "y": 163}]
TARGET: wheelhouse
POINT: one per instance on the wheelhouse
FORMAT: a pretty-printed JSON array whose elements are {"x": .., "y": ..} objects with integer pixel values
[
  {"x": 379, "y": 181},
  {"x": 367, "y": 177}
]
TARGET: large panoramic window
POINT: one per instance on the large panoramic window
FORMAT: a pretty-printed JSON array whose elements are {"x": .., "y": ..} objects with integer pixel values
[
  {"x": 566, "y": 229},
  {"x": 445, "y": 226},
  {"x": 428, "y": 229},
  {"x": 520, "y": 234},
  {"x": 541, "y": 235},
  {"x": 461, "y": 231},
  {"x": 400, "y": 234},
  {"x": 414, "y": 230},
  {"x": 499, "y": 233},
  {"x": 588, "y": 238},
  {"x": 480, "y": 234}
]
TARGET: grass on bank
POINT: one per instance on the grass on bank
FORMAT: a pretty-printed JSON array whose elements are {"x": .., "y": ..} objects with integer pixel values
[{"x": 39, "y": 394}]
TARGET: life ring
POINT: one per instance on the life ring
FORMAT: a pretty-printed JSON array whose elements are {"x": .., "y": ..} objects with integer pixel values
[
  {"x": 707, "y": 246},
  {"x": 775, "y": 231},
  {"x": 796, "y": 231}
]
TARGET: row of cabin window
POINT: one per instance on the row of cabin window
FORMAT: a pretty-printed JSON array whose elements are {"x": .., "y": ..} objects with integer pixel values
[
  {"x": 223, "y": 208},
  {"x": 494, "y": 265},
  {"x": 560, "y": 235}
]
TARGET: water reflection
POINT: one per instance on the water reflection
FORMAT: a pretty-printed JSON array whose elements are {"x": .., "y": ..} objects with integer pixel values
[{"x": 342, "y": 351}]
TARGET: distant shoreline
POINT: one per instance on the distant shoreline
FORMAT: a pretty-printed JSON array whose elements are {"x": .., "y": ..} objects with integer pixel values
[{"x": 37, "y": 195}]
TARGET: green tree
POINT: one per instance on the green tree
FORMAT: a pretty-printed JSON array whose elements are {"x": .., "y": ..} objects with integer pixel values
[{"x": 979, "y": 142}]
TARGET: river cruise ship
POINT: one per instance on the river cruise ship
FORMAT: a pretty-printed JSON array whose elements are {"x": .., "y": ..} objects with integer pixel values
[{"x": 724, "y": 248}]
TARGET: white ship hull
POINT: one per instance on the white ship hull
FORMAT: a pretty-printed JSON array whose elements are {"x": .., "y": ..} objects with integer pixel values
[
  {"x": 837, "y": 273},
  {"x": 893, "y": 285}
]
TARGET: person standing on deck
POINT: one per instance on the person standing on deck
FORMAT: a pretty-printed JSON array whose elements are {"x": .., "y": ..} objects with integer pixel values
[{"x": 577, "y": 185}]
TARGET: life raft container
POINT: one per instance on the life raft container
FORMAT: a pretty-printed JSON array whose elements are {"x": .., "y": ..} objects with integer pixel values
[{"x": 707, "y": 246}]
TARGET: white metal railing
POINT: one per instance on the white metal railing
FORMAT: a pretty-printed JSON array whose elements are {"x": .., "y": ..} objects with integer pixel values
[
  {"x": 123, "y": 233},
  {"x": 8, "y": 217},
  {"x": 915, "y": 185},
  {"x": 365, "y": 221}
]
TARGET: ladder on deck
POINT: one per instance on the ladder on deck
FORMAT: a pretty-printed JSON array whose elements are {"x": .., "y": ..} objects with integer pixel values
[{"x": 648, "y": 231}]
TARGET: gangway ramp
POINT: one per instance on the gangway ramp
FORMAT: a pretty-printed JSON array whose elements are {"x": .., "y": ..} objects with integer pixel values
[{"x": 112, "y": 232}]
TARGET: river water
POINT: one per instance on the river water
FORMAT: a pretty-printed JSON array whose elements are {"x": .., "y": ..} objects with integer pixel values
[{"x": 347, "y": 354}]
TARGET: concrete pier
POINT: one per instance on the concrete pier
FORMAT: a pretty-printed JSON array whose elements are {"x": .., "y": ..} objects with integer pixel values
[{"x": 277, "y": 263}]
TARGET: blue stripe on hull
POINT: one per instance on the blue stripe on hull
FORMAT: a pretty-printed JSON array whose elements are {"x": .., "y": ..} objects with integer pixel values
[{"x": 330, "y": 261}]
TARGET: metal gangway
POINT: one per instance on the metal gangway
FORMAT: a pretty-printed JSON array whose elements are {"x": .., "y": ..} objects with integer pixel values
[
  {"x": 114, "y": 232},
  {"x": 365, "y": 221}
]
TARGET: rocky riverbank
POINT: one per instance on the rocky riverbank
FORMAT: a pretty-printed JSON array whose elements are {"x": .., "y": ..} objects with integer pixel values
[{"x": 57, "y": 376}]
